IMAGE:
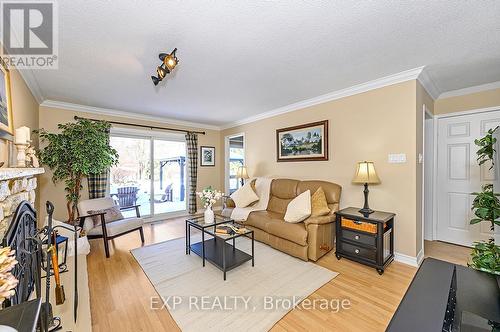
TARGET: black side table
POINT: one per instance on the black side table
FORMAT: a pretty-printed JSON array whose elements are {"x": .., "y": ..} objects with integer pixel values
[{"x": 365, "y": 238}]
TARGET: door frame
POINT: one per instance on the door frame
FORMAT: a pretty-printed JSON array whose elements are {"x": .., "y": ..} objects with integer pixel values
[
  {"x": 151, "y": 136},
  {"x": 226, "y": 157},
  {"x": 426, "y": 113},
  {"x": 437, "y": 117}
]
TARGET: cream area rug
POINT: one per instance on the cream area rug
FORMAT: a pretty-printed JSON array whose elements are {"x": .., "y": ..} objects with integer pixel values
[{"x": 251, "y": 299}]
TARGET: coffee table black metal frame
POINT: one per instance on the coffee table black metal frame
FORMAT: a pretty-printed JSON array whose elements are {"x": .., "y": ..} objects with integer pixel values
[{"x": 217, "y": 249}]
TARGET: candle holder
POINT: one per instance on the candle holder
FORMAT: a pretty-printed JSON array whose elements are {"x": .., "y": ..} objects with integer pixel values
[{"x": 21, "y": 154}]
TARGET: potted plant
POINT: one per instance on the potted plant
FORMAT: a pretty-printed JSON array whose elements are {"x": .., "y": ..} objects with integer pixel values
[
  {"x": 80, "y": 149},
  {"x": 209, "y": 197},
  {"x": 486, "y": 206},
  {"x": 486, "y": 255}
]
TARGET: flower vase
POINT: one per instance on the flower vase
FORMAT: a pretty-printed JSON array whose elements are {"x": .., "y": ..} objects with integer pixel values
[{"x": 209, "y": 215}]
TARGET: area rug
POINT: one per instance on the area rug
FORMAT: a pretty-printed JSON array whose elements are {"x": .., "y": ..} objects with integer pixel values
[{"x": 251, "y": 299}]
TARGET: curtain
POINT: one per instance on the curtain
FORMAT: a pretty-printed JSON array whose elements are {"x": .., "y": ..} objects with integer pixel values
[
  {"x": 98, "y": 183},
  {"x": 192, "y": 155}
]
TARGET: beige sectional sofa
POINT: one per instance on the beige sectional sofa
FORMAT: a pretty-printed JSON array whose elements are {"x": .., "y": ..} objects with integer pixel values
[{"x": 306, "y": 240}]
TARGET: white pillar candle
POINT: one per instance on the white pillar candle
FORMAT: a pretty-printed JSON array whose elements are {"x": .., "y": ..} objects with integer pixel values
[{"x": 22, "y": 135}]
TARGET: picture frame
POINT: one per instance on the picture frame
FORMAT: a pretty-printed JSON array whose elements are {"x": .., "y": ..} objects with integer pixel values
[
  {"x": 207, "y": 156},
  {"x": 307, "y": 142},
  {"x": 6, "y": 122}
]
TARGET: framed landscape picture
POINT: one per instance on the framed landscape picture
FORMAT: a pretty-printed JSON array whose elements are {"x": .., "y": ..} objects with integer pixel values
[
  {"x": 303, "y": 143},
  {"x": 207, "y": 156},
  {"x": 6, "y": 124}
]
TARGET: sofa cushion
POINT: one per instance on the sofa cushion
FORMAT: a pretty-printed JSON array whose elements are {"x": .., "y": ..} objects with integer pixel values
[
  {"x": 296, "y": 233},
  {"x": 282, "y": 192},
  {"x": 319, "y": 205},
  {"x": 244, "y": 196},
  {"x": 299, "y": 208},
  {"x": 332, "y": 190},
  {"x": 259, "y": 219}
]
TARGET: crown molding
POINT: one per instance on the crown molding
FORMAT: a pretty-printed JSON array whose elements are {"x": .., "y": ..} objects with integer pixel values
[
  {"x": 404, "y": 76},
  {"x": 124, "y": 114},
  {"x": 469, "y": 90},
  {"x": 428, "y": 84}
]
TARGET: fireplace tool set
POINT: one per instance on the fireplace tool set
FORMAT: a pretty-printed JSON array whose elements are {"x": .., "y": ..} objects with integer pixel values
[{"x": 37, "y": 250}]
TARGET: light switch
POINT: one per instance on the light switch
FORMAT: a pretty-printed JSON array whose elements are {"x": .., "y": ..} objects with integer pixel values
[{"x": 397, "y": 158}]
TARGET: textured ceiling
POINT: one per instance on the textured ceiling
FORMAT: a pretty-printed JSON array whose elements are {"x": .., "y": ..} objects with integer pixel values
[{"x": 241, "y": 58}]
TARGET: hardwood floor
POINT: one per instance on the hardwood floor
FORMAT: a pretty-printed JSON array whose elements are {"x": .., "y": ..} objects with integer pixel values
[
  {"x": 120, "y": 292},
  {"x": 447, "y": 252}
]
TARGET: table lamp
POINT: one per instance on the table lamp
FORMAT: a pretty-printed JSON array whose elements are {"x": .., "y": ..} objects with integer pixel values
[
  {"x": 365, "y": 174},
  {"x": 242, "y": 174}
]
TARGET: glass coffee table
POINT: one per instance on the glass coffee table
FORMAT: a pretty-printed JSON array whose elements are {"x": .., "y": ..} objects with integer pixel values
[{"x": 218, "y": 249}]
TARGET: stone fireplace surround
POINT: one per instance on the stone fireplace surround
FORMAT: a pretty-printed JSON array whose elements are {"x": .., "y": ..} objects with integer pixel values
[{"x": 16, "y": 185}]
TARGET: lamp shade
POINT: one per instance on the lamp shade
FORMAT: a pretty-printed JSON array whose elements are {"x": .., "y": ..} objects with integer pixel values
[
  {"x": 242, "y": 173},
  {"x": 365, "y": 173}
]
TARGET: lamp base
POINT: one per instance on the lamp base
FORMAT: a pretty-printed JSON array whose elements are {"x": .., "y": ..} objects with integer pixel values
[{"x": 366, "y": 211}]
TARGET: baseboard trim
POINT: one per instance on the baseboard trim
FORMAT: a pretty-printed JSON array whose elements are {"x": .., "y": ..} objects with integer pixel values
[{"x": 409, "y": 260}]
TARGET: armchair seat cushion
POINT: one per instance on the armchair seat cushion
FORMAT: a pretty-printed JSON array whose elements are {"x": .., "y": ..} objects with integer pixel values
[{"x": 117, "y": 227}]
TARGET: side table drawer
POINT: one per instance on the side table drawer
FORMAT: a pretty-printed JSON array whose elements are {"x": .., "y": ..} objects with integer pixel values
[
  {"x": 358, "y": 251},
  {"x": 359, "y": 237}
]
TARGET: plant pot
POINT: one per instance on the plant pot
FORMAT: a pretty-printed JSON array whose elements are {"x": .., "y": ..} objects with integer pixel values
[{"x": 209, "y": 215}]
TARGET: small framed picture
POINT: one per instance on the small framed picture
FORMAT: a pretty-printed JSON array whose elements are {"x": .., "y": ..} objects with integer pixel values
[
  {"x": 207, "y": 156},
  {"x": 6, "y": 124}
]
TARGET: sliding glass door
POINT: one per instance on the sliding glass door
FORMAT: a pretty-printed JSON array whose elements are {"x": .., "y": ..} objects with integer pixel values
[
  {"x": 169, "y": 176},
  {"x": 151, "y": 172}
]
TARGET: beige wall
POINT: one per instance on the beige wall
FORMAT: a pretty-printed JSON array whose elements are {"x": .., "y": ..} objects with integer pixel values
[
  {"x": 366, "y": 126},
  {"x": 24, "y": 111},
  {"x": 50, "y": 117},
  {"x": 483, "y": 99}
]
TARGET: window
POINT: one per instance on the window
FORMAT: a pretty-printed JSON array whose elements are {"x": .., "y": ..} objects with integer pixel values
[
  {"x": 236, "y": 158},
  {"x": 151, "y": 172}
]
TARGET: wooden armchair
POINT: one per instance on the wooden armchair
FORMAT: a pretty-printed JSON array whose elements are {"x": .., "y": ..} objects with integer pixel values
[{"x": 110, "y": 230}]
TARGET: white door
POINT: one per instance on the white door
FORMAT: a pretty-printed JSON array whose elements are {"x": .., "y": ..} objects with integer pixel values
[{"x": 458, "y": 175}]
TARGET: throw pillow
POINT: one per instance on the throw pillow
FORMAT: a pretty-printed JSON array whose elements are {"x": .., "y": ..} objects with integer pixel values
[
  {"x": 299, "y": 208},
  {"x": 319, "y": 205},
  {"x": 244, "y": 196},
  {"x": 112, "y": 214}
]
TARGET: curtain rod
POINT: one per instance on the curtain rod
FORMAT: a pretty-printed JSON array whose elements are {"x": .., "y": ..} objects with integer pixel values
[{"x": 142, "y": 126}]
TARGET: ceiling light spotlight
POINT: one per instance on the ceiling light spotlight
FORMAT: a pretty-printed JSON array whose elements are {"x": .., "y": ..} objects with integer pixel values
[{"x": 169, "y": 62}]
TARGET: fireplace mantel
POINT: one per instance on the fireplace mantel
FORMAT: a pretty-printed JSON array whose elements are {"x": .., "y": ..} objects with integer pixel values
[{"x": 14, "y": 173}]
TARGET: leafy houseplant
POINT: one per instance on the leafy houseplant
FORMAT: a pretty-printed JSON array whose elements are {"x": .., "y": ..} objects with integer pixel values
[
  {"x": 486, "y": 206},
  {"x": 486, "y": 148},
  {"x": 80, "y": 149}
]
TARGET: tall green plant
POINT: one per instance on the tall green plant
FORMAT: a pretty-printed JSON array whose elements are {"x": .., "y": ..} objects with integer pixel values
[
  {"x": 486, "y": 206},
  {"x": 486, "y": 148},
  {"x": 80, "y": 148}
]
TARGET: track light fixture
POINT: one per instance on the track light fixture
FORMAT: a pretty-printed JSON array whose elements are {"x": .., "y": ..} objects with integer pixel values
[{"x": 168, "y": 63}]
